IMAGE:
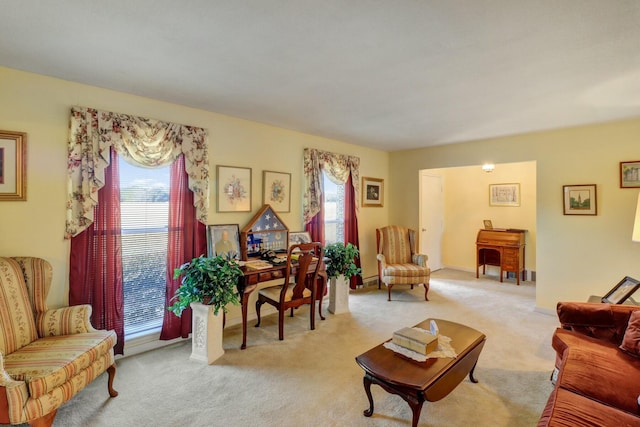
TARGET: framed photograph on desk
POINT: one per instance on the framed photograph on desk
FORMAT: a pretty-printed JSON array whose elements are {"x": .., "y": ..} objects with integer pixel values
[{"x": 622, "y": 291}]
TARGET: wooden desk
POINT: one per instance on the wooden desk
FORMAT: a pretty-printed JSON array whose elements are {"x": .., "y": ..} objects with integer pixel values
[
  {"x": 249, "y": 283},
  {"x": 502, "y": 248},
  {"x": 417, "y": 382}
]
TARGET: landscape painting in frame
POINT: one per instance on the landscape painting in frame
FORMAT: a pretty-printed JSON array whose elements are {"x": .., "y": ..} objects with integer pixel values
[
  {"x": 234, "y": 189},
  {"x": 630, "y": 174},
  {"x": 580, "y": 199},
  {"x": 276, "y": 190}
]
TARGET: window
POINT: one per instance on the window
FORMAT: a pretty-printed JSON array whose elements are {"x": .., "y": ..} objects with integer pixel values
[
  {"x": 144, "y": 204},
  {"x": 333, "y": 204}
]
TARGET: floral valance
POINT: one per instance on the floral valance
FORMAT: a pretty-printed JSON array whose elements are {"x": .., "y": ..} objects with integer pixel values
[
  {"x": 336, "y": 166},
  {"x": 138, "y": 140}
]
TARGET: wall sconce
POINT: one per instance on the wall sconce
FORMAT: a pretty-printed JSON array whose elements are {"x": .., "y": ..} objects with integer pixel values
[
  {"x": 488, "y": 167},
  {"x": 636, "y": 224}
]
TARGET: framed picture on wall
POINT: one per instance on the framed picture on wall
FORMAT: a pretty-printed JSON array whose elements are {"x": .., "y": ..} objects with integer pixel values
[
  {"x": 372, "y": 192},
  {"x": 630, "y": 174},
  {"x": 234, "y": 189},
  {"x": 13, "y": 162},
  {"x": 504, "y": 194},
  {"x": 580, "y": 199},
  {"x": 276, "y": 190}
]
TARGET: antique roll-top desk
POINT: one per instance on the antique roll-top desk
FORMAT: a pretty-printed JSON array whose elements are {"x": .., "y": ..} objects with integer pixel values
[{"x": 502, "y": 248}]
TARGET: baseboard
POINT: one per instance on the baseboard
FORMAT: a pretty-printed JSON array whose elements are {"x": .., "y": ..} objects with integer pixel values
[{"x": 370, "y": 281}]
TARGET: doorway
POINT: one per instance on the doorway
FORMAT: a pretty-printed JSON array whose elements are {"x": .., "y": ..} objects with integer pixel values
[{"x": 431, "y": 218}]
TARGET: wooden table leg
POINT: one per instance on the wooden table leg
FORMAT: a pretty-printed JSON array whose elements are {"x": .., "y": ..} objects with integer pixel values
[{"x": 367, "y": 389}]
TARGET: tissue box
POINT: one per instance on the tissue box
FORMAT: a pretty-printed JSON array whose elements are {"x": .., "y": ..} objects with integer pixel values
[{"x": 413, "y": 339}]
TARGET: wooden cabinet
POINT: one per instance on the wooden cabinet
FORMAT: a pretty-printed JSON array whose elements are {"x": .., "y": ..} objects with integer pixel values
[{"x": 502, "y": 248}]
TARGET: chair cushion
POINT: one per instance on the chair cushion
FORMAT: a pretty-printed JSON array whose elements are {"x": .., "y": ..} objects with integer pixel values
[
  {"x": 406, "y": 270},
  {"x": 273, "y": 292},
  {"x": 17, "y": 326},
  {"x": 50, "y": 362},
  {"x": 396, "y": 246}
]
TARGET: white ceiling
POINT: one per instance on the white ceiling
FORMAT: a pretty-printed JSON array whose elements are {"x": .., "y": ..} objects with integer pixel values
[{"x": 392, "y": 75}]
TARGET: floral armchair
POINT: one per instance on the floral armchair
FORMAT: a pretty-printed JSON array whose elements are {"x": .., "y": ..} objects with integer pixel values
[
  {"x": 46, "y": 356},
  {"x": 398, "y": 262}
]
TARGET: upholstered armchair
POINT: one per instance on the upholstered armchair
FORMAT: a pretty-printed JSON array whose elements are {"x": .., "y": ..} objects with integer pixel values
[
  {"x": 398, "y": 262},
  {"x": 46, "y": 356}
]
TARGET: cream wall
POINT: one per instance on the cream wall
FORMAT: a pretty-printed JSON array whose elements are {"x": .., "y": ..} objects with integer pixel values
[
  {"x": 40, "y": 106},
  {"x": 576, "y": 256},
  {"x": 466, "y": 205}
]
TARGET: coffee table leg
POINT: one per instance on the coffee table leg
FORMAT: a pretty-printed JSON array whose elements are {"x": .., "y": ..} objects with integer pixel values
[
  {"x": 471, "y": 377},
  {"x": 367, "y": 389},
  {"x": 416, "y": 408}
]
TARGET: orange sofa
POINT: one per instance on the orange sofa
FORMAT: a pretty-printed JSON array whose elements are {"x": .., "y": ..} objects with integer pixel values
[{"x": 597, "y": 376}]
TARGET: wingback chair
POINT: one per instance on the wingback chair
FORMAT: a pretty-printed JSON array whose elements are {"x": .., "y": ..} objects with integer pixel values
[
  {"x": 46, "y": 356},
  {"x": 398, "y": 262}
]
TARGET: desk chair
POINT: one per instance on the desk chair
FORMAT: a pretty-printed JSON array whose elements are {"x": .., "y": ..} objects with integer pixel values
[{"x": 299, "y": 288}]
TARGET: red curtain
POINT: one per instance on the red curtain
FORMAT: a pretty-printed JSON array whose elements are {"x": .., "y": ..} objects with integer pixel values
[
  {"x": 187, "y": 240},
  {"x": 95, "y": 267},
  {"x": 315, "y": 227},
  {"x": 351, "y": 225}
]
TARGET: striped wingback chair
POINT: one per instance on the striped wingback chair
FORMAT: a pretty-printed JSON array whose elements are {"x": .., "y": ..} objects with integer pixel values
[
  {"x": 398, "y": 262},
  {"x": 46, "y": 356}
]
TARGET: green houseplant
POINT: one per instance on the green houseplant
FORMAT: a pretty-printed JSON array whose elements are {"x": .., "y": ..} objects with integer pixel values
[
  {"x": 341, "y": 260},
  {"x": 208, "y": 280}
]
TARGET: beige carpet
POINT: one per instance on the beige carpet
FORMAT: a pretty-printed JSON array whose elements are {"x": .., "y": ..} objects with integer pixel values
[{"x": 311, "y": 377}]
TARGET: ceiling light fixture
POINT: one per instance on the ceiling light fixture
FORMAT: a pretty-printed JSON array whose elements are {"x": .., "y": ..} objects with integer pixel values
[{"x": 488, "y": 167}]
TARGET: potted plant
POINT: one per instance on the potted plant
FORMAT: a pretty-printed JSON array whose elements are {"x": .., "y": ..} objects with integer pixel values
[
  {"x": 208, "y": 284},
  {"x": 341, "y": 266}
]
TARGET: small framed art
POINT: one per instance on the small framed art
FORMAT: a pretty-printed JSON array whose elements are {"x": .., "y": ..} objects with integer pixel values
[
  {"x": 504, "y": 194},
  {"x": 13, "y": 166},
  {"x": 297, "y": 237},
  {"x": 622, "y": 291},
  {"x": 276, "y": 190},
  {"x": 223, "y": 239},
  {"x": 372, "y": 192},
  {"x": 234, "y": 189},
  {"x": 630, "y": 174},
  {"x": 488, "y": 225},
  {"x": 579, "y": 199}
]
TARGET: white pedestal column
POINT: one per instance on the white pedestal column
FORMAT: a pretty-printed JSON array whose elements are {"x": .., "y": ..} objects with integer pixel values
[
  {"x": 206, "y": 334},
  {"x": 339, "y": 295}
]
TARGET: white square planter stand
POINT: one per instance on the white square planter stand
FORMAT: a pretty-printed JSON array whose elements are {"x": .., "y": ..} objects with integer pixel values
[
  {"x": 339, "y": 295},
  {"x": 206, "y": 333}
]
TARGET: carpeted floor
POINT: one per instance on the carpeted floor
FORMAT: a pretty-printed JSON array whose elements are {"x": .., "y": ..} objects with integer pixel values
[{"x": 311, "y": 377}]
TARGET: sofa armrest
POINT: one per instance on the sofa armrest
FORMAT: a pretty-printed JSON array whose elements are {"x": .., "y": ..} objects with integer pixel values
[
  {"x": 65, "y": 321},
  {"x": 383, "y": 261},
  {"x": 419, "y": 259},
  {"x": 603, "y": 321},
  {"x": 13, "y": 397}
]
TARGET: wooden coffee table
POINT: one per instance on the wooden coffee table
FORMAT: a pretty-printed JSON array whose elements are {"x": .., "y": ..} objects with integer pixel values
[{"x": 415, "y": 381}]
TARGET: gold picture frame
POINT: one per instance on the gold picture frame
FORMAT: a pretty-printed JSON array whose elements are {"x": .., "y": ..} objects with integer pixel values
[
  {"x": 580, "y": 199},
  {"x": 372, "y": 192},
  {"x": 13, "y": 166},
  {"x": 276, "y": 190},
  {"x": 234, "y": 189}
]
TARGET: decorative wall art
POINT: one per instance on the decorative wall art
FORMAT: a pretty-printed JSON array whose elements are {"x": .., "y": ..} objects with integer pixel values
[
  {"x": 13, "y": 166},
  {"x": 504, "y": 194},
  {"x": 372, "y": 192},
  {"x": 234, "y": 189},
  {"x": 580, "y": 199},
  {"x": 223, "y": 239},
  {"x": 276, "y": 190},
  {"x": 630, "y": 174}
]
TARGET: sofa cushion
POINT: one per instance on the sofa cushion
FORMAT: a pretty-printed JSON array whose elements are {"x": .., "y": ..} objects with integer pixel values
[
  {"x": 563, "y": 339},
  {"x": 50, "y": 362},
  {"x": 567, "y": 409},
  {"x": 16, "y": 314},
  {"x": 607, "y": 375},
  {"x": 631, "y": 339}
]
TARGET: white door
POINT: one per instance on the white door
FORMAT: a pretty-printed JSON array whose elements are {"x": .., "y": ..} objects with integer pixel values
[{"x": 431, "y": 219}]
